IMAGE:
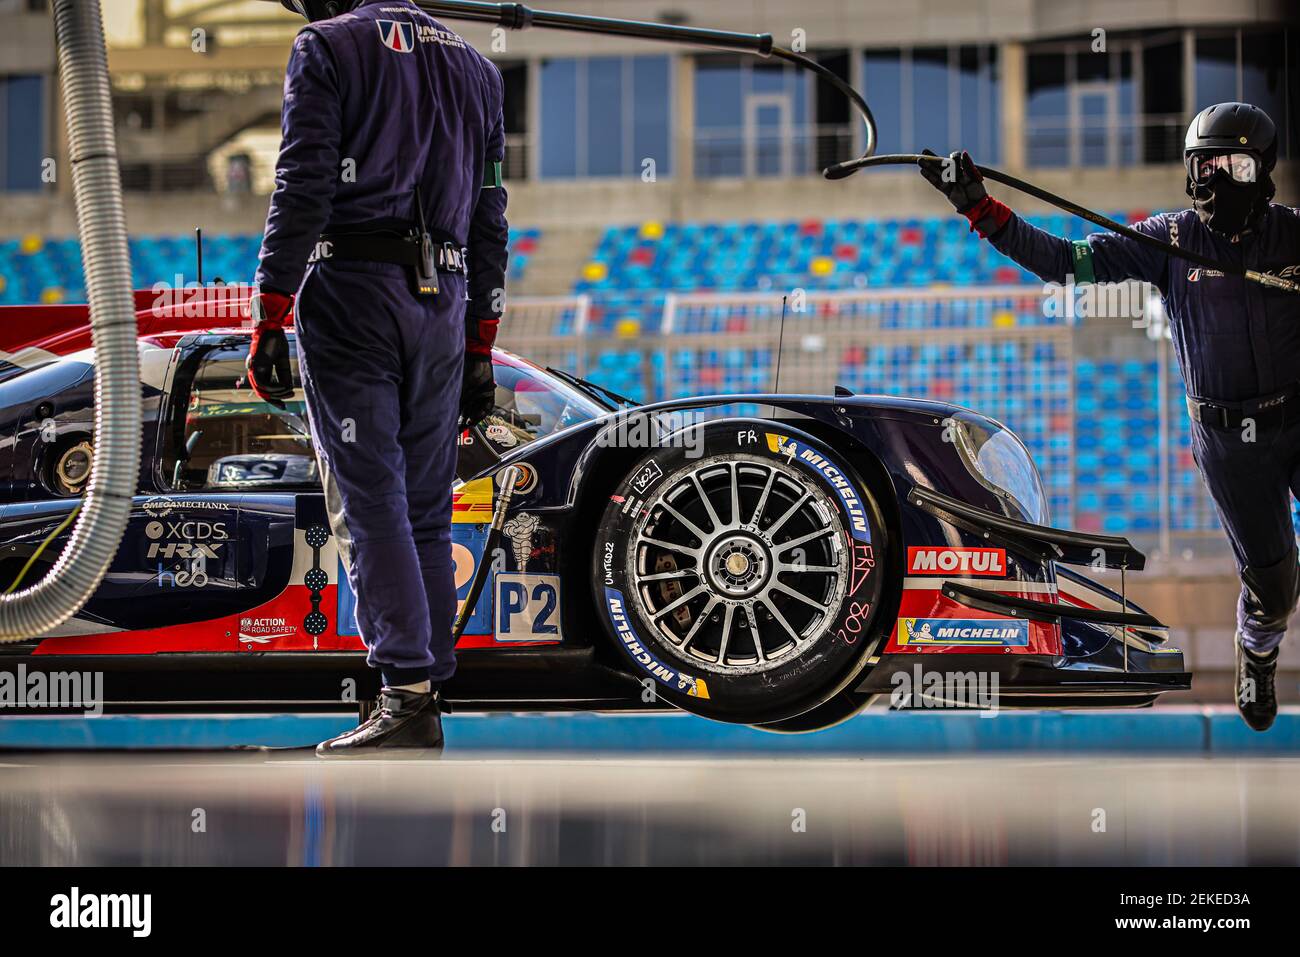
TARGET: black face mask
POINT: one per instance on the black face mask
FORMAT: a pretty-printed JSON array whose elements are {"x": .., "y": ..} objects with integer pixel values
[{"x": 1226, "y": 206}]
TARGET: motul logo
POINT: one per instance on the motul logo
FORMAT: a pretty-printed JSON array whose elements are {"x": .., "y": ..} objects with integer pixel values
[{"x": 990, "y": 562}]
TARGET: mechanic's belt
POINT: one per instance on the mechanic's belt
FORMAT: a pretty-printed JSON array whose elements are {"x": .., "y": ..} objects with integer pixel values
[
  {"x": 1231, "y": 415},
  {"x": 449, "y": 256}
]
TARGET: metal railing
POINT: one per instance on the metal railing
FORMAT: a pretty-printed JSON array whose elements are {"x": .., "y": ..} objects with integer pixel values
[
  {"x": 998, "y": 350},
  {"x": 1104, "y": 141},
  {"x": 798, "y": 150}
]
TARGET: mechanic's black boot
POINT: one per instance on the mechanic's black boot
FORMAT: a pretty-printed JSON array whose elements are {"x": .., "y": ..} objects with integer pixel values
[
  {"x": 406, "y": 724},
  {"x": 1256, "y": 699}
]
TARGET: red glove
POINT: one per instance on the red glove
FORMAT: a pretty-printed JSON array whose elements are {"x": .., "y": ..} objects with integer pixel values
[
  {"x": 269, "y": 372},
  {"x": 987, "y": 217},
  {"x": 480, "y": 335}
]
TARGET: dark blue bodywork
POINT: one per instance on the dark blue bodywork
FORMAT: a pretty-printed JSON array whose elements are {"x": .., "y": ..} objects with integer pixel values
[{"x": 896, "y": 445}]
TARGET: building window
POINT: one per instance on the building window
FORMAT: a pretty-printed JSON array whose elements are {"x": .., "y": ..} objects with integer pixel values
[
  {"x": 752, "y": 118},
  {"x": 519, "y": 143},
  {"x": 605, "y": 116},
  {"x": 1081, "y": 107},
  {"x": 1264, "y": 72},
  {"x": 1251, "y": 66},
  {"x": 882, "y": 86},
  {"x": 1127, "y": 104},
  {"x": 1163, "y": 111},
  {"x": 22, "y": 132},
  {"x": 1216, "y": 70},
  {"x": 937, "y": 98},
  {"x": 1047, "y": 111}
]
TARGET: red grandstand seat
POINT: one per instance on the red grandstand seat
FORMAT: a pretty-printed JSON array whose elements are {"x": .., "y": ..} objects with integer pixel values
[{"x": 1087, "y": 522}]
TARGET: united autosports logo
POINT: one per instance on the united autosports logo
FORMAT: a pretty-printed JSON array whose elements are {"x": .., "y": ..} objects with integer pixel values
[
  {"x": 1197, "y": 274},
  {"x": 397, "y": 35},
  {"x": 401, "y": 36},
  {"x": 980, "y": 562}
]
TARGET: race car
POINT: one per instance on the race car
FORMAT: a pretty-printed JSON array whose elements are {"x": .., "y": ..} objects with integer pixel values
[{"x": 778, "y": 569}]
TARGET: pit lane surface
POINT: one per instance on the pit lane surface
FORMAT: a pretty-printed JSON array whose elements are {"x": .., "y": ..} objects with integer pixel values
[{"x": 287, "y": 808}]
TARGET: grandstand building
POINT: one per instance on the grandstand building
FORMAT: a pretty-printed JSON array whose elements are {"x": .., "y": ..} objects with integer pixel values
[{"x": 664, "y": 201}]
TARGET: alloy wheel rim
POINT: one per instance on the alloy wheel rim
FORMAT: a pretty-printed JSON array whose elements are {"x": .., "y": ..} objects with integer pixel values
[{"x": 739, "y": 563}]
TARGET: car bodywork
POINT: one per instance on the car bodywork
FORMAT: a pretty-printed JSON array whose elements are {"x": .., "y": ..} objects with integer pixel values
[{"x": 228, "y": 591}]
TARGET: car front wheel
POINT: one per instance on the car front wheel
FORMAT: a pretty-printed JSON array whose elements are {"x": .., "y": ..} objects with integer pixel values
[{"x": 741, "y": 574}]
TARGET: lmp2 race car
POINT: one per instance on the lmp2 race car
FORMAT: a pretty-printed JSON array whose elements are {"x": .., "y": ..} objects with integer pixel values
[{"x": 777, "y": 571}]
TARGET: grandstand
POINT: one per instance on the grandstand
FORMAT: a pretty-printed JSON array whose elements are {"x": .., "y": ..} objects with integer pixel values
[
  {"x": 663, "y": 204},
  {"x": 35, "y": 268},
  {"x": 1091, "y": 423}
]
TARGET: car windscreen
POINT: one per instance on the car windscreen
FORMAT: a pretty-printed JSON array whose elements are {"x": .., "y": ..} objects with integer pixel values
[
  {"x": 530, "y": 404},
  {"x": 221, "y": 435}
]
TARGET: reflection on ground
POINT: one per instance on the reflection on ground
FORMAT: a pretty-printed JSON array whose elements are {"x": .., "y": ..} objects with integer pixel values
[{"x": 276, "y": 808}]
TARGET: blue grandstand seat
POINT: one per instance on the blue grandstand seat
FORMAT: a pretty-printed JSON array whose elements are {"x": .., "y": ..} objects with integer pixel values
[{"x": 49, "y": 270}]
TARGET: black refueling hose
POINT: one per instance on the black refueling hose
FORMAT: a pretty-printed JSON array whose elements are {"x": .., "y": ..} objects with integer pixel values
[
  {"x": 506, "y": 482},
  {"x": 517, "y": 16},
  {"x": 1006, "y": 179}
]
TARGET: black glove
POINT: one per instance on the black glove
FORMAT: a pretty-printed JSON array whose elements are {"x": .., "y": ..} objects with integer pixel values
[
  {"x": 478, "y": 390},
  {"x": 269, "y": 371},
  {"x": 957, "y": 178},
  {"x": 960, "y": 180}
]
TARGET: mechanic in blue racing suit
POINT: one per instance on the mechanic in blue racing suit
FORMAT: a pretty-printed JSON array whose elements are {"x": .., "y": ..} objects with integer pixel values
[
  {"x": 388, "y": 224},
  {"x": 1237, "y": 342}
]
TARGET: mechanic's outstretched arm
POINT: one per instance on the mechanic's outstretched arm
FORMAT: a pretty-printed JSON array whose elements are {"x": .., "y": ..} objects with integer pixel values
[
  {"x": 1102, "y": 257},
  {"x": 488, "y": 235},
  {"x": 306, "y": 174}
]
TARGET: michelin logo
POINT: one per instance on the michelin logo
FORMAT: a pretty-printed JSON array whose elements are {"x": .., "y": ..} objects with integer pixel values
[
  {"x": 695, "y": 687},
  {"x": 784, "y": 445},
  {"x": 998, "y": 633}
]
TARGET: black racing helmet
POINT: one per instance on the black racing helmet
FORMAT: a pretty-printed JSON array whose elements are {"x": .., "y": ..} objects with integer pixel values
[{"x": 1233, "y": 127}]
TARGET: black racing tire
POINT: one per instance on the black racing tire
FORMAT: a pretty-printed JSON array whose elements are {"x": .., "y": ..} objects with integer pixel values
[
  {"x": 738, "y": 569},
  {"x": 828, "y": 714}
]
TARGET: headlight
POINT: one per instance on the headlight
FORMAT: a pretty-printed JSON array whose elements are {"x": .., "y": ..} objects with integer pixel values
[{"x": 1002, "y": 464}]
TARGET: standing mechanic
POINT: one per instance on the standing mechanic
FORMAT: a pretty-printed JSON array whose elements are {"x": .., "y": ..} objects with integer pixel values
[
  {"x": 389, "y": 184},
  {"x": 1238, "y": 345}
]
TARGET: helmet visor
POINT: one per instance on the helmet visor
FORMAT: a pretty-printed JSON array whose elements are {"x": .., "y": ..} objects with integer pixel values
[{"x": 1242, "y": 167}]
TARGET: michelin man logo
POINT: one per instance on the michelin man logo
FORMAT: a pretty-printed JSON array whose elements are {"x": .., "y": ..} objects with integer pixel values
[
  {"x": 520, "y": 532},
  {"x": 500, "y": 435}
]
